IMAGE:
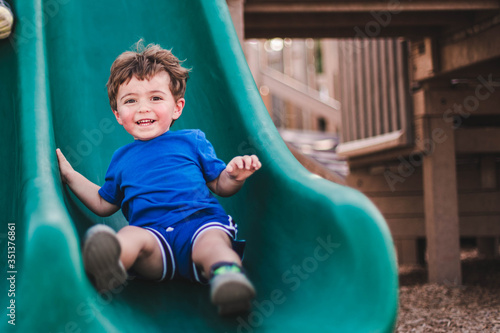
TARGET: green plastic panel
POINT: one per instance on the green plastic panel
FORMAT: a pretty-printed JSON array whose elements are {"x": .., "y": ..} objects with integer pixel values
[{"x": 321, "y": 255}]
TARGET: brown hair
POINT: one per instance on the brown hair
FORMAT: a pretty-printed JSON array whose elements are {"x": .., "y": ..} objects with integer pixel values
[{"x": 144, "y": 63}]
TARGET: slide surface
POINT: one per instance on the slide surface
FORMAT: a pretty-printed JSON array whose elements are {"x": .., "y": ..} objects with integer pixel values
[{"x": 320, "y": 254}]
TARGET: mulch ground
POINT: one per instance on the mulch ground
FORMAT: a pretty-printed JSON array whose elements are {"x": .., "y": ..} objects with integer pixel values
[{"x": 472, "y": 307}]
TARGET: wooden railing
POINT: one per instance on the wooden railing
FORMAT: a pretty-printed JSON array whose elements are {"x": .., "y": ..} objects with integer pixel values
[
  {"x": 376, "y": 101},
  {"x": 299, "y": 94}
]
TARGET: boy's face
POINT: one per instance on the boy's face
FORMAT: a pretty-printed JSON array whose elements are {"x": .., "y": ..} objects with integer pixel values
[{"x": 147, "y": 108}]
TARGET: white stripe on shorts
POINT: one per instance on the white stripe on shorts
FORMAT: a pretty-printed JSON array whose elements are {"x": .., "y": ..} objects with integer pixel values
[{"x": 164, "y": 256}]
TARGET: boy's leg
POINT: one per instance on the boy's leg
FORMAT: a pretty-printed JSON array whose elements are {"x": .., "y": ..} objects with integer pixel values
[
  {"x": 230, "y": 290},
  {"x": 108, "y": 255},
  {"x": 140, "y": 251},
  {"x": 211, "y": 247}
]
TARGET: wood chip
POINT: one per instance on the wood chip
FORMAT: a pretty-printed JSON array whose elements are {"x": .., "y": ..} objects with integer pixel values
[{"x": 472, "y": 307}]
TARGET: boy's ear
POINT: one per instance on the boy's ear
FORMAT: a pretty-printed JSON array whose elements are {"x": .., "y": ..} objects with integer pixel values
[
  {"x": 117, "y": 116},
  {"x": 179, "y": 106}
]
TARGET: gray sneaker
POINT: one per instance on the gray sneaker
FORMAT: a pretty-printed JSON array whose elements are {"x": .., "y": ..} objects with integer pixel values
[
  {"x": 230, "y": 290},
  {"x": 101, "y": 258}
]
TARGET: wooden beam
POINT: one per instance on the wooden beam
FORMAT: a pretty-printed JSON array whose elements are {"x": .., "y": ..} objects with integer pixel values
[
  {"x": 350, "y": 25},
  {"x": 441, "y": 207},
  {"x": 470, "y": 226},
  {"x": 374, "y": 182},
  {"x": 253, "y": 6},
  {"x": 382, "y": 157},
  {"x": 373, "y": 144},
  {"x": 407, "y": 227},
  {"x": 480, "y": 225},
  {"x": 351, "y": 19},
  {"x": 477, "y": 140},
  {"x": 257, "y": 30},
  {"x": 289, "y": 89},
  {"x": 337, "y": 19},
  {"x": 410, "y": 204},
  {"x": 473, "y": 198},
  {"x": 478, "y": 48},
  {"x": 481, "y": 96},
  {"x": 488, "y": 172}
]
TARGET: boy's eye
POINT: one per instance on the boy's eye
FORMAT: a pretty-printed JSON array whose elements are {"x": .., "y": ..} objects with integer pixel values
[
  {"x": 156, "y": 98},
  {"x": 128, "y": 101}
]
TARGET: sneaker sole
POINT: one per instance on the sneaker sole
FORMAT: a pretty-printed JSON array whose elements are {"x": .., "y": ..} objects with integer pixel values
[
  {"x": 101, "y": 258},
  {"x": 232, "y": 293}
]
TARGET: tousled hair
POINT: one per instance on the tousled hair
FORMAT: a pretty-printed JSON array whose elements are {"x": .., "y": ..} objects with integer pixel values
[{"x": 144, "y": 63}]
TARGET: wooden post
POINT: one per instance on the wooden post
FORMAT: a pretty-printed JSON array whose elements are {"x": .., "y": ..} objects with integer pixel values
[
  {"x": 488, "y": 246},
  {"x": 441, "y": 204}
]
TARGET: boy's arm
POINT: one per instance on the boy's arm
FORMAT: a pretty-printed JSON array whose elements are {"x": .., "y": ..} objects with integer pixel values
[
  {"x": 84, "y": 189},
  {"x": 232, "y": 178}
]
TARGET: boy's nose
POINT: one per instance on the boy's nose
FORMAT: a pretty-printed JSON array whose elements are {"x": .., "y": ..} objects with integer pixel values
[{"x": 143, "y": 107}]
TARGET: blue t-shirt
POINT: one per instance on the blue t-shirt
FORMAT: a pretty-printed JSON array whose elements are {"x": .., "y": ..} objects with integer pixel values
[{"x": 163, "y": 181}]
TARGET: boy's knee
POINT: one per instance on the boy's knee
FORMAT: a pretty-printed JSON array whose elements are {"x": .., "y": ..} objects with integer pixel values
[
  {"x": 136, "y": 237},
  {"x": 214, "y": 237},
  {"x": 131, "y": 232},
  {"x": 127, "y": 229}
]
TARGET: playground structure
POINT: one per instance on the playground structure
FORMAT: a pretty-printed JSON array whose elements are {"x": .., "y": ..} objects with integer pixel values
[
  {"x": 421, "y": 138},
  {"x": 320, "y": 254}
]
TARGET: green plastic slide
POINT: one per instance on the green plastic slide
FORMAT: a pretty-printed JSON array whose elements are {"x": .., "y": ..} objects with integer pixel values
[{"x": 320, "y": 254}]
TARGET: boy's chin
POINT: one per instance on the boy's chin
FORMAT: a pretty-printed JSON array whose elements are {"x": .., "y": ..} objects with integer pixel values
[{"x": 149, "y": 137}]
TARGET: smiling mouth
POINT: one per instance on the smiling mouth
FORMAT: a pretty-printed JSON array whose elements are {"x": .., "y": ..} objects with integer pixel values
[{"x": 145, "y": 122}]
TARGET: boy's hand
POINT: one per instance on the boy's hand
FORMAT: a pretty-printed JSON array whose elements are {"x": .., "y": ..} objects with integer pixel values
[
  {"x": 242, "y": 167},
  {"x": 84, "y": 189},
  {"x": 64, "y": 167},
  {"x": 233, "y": 177}
]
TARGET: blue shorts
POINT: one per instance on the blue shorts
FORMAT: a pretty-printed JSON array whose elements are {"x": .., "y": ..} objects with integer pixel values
[{"x": 176, "y": 244}]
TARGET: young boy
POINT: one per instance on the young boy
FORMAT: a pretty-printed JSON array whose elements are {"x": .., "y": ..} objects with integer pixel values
[{"x": 162, "y": 183}]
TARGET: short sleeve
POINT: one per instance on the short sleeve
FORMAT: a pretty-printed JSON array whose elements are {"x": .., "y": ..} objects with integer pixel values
[
  {"x": 111, "y": 191},
  {"x": 211, "y": 165}
]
